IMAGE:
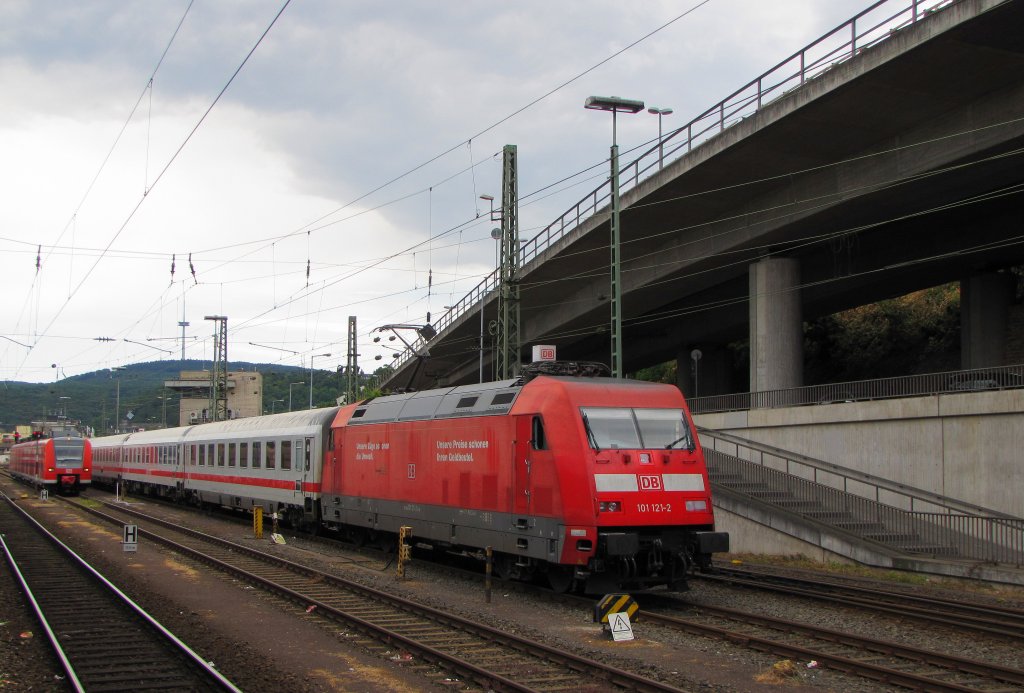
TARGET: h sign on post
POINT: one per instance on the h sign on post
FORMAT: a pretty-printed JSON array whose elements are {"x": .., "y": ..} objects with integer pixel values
[{"x": 130, "y": 541}]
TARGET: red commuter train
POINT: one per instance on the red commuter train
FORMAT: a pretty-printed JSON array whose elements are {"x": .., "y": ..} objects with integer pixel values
[
  {"x": 593, "y": 483},
  {"x": 61, "y": 463}
]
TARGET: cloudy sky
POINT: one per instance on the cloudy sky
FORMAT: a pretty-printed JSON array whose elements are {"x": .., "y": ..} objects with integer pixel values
[{"x": 331, "y": 167}]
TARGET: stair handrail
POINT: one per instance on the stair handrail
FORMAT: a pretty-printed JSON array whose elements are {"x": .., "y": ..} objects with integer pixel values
[{"x": 879, "y": 483}]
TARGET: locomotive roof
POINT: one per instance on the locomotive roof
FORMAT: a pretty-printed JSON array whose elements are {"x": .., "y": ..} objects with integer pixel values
[{"x": 480, "y": 399}]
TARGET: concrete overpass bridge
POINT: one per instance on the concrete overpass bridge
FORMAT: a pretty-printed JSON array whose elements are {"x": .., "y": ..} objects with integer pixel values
[{"x": 883, "y": 158}]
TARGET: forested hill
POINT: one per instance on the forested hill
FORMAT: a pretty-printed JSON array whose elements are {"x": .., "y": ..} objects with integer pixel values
[{"x": 91, "y": 397}]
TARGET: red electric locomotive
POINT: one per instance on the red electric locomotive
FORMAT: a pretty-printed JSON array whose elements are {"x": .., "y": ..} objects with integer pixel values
[
  {"x": 61, "y": 463},
  {"x": 597, "y": 484}
]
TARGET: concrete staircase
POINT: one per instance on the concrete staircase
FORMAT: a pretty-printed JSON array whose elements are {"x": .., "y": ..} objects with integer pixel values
[{"x": 809, "y": 500}]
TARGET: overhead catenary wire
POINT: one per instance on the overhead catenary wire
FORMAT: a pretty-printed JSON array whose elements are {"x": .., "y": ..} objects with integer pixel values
[
  {"x": 174, "y": 156},
  {"x": 166, "y": 167},
  {"x": 431, "y": 268}
]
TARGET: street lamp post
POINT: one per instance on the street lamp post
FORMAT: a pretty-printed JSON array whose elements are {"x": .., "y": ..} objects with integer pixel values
[
  {"x": 311, "y": 357},
  {"x": 661, "y": 147},
  {"x": 616, "y": 105},
  {"x": 273, "y": 405},
  {"x": 290, "y": 393}
]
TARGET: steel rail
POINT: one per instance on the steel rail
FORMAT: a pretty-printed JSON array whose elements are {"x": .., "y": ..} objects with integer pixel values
[
  {"x": 208, "y": 677},
  {"x": 582, "y": 666},
  {"x": 848, "y": 664},
  {"x": 980, "y": 617}
]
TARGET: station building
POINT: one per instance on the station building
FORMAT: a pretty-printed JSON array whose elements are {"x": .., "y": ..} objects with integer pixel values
[{"x": 245, "y": 396}]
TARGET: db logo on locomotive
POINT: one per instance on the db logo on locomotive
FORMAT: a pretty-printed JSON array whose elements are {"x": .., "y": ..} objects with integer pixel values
[{"x": 650, "y": 482}]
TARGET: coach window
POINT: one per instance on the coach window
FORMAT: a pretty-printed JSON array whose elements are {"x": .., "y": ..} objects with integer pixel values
[
  {"x": 308, "y": 452},
  {"x": 220, "y": 454},
  {"x": 537, "y": 440},
  {"x": 271, "y": 456},
  {"x": 202, "y": 456},
  {"x": 257, "y": 453},
  {"x": 232, "y": 449},
  {"x": 286, "y": 454},
  {"x": 243, "y": 454}
]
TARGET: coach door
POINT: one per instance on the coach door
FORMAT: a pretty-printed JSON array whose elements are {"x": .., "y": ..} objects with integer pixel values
[
  {"x": 304, "y": 463},
  {"x": 521, "y": 463}
]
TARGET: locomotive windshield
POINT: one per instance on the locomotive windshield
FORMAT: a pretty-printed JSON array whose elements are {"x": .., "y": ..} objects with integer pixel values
[
  {"x": 68, "y": 450},
  {"x": 618, "y": 427}
]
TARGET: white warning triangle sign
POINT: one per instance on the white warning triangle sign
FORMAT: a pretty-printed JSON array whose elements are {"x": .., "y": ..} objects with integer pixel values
[{"x": 620, "y": 627}]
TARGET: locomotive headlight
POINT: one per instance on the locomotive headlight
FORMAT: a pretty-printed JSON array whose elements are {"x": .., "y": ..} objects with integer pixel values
[
  {"x": 696, "y": 506},
  {"x": 610, "y": 506}
]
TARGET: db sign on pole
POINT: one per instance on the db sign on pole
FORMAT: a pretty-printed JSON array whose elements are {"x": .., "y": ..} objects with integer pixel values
[{"x": 130, "y": 541}]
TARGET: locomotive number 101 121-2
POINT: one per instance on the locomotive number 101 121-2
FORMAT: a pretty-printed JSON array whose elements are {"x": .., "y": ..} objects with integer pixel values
[{"x": 654, "y": 507}]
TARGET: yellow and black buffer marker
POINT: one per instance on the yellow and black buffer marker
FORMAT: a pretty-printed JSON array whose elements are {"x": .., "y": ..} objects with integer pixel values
[{"x": 615, "y": 604}]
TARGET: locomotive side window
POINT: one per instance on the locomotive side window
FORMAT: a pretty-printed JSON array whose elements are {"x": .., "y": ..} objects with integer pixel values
[
  {"x": 537, "y": 440},
  {"x": 257, "y": 454},
  {"x": 271, "y": 454},
  {"x": 243, "y": 455},
  {"x": 286, "y": 454}
]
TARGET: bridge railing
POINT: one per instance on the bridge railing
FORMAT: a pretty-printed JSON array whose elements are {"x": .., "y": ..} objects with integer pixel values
[
  {"x": 866, "y": 29},
  {"x": 972, "y": 380}
]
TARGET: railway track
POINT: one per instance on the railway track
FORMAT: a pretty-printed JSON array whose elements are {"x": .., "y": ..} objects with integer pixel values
[
  {"x": 999, "y": 621},
  {"x": 888, "y": 662},
  {"x": 472, "y": 651},
  {"x": 104, "y": 641}
]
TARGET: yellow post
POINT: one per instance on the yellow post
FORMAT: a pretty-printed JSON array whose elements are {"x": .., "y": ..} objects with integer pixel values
[
  {"x": 404, "y": 550},
  {"x": 487, "y": 573},
  {"x": 257, "y": 521}
]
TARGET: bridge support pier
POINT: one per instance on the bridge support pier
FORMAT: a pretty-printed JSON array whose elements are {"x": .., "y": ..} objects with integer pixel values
[
  {"x": 776, "y": 325},
  {"x": 985, "y": 301}
]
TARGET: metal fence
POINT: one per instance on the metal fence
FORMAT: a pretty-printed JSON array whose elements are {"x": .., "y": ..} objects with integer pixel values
[
  {"x": 868, "y": 28},
  {"x": 972, "y": 380},
  {"x": 874, "y": 509}
]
